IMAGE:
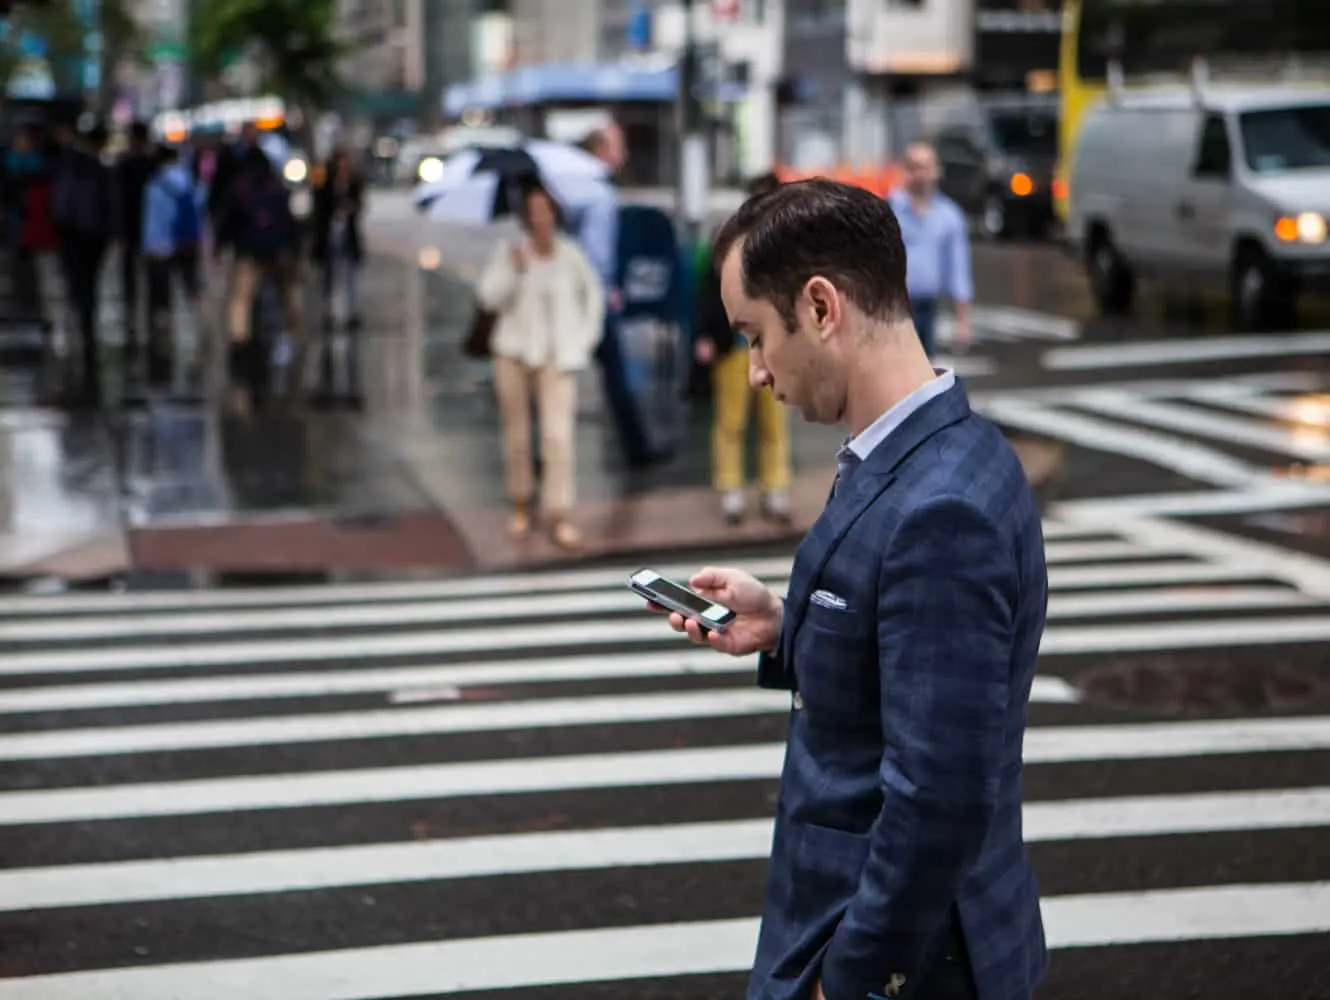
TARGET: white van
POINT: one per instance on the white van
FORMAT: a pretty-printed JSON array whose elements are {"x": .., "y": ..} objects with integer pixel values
[{"x": 1202, "y": 186}]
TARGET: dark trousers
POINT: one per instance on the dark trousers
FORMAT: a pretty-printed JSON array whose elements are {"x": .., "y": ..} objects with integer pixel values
[
  {"x": 24, "y": 285},
  {"x": 624, "y": 408},
  {"x": 130, "y": 256},
  {"x": 161, "y": 273},
  {"x": 81, "y": 260},
  {"x": 924, "y": 314}
]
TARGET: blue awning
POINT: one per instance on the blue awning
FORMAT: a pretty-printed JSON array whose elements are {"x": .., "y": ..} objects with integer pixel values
[{"x": 568, "y": 82}]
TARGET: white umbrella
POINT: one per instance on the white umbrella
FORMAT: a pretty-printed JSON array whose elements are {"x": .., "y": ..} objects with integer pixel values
[
  {"x": 469, "y": 202},
  {"x": 565, "y": 170}
]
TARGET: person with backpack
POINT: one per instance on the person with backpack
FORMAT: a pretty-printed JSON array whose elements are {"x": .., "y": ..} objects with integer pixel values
[
  {"x": 172, "y": 230},
  {"x": 266, "y": 244},
  {"x": 83, "y": 209}
]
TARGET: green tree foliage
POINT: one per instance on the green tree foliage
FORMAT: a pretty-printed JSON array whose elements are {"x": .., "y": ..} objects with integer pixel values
[
  {"x": 291, "y": 41},
  {"x": 58, "y": 23}
]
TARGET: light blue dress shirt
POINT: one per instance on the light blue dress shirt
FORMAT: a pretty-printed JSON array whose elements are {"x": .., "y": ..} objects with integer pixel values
[
  {"x": 937, "y": 248},
  {"x": 854, "y": 451},
  {"x": 597, "y": 225}
]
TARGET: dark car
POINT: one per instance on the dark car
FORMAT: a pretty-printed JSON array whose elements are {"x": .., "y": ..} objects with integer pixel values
[{"x": 998, "y": 165}]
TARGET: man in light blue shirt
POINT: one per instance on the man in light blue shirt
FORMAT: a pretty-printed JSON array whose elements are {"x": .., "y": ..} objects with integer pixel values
[
  {"x": 596, "y": 228},
  {"x": 937, "y": 247}
]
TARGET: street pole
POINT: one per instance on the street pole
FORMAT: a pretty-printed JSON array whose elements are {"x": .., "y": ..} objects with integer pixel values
[{"x": 693, "y": 198}]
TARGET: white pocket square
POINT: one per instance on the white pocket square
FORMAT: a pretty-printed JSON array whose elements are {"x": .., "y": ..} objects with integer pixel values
[{"x": 826, "y": 599}]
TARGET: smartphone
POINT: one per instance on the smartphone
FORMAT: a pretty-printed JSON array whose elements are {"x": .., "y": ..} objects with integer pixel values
[{"x": 677, "y": 597}]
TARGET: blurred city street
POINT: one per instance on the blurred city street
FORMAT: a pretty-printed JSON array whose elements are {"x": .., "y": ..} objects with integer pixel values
[
  {"x": 471, "y": 785},
  {"x": 1102, "y": 408}
]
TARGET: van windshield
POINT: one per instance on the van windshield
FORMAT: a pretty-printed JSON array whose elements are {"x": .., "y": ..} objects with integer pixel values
[
  {"x": 1032, "y": 133},
  {"x": 1283, "y": 139}
]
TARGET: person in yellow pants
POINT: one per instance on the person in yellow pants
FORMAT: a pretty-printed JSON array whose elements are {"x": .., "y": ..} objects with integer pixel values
[{"x": 718, "y": 347}]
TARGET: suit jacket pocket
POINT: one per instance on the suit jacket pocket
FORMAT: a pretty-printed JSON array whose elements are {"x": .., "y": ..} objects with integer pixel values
[
  {"x": 835, "y": 662},
  {"x": 830, "y": 860}
]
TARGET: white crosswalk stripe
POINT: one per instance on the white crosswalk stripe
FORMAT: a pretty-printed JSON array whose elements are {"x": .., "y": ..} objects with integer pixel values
[
  {"x": 525, "y": 782},
  {"x": 1249, "y": 432}
]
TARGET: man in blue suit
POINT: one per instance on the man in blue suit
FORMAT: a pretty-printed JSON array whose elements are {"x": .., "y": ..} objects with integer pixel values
[{"x": 908, "y": 636}]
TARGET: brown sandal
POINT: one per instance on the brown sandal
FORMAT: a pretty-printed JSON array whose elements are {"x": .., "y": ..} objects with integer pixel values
[
  {"x": 519, "y": 525},
  {"x": 566, "y": 535}
]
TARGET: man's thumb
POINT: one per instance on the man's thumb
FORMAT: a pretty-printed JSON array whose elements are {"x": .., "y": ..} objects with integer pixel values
[{"x": 708, "y": 579}]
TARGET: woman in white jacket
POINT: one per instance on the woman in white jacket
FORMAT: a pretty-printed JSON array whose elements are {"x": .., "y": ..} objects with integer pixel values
[{"x": 550, "y": 307}]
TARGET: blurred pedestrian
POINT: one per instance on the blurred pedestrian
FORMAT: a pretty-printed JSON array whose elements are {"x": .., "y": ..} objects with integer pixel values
[
  {"x": 172, "y": 232},
  {"x": 937, "y": 245},
  {"x": 338, "y": 243},
  {"x": 718, "y": 346},
  {"x": 35, "y": 277},
  {"x": 264, "y": 236},
  {"x": 596, "y": 223},
  {"x": 550, "y": 308},
  {"x": 131, "y": 172},
  {"x": 83, "y": 209}
]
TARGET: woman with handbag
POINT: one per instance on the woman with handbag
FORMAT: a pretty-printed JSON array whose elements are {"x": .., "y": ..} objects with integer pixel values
[{"x": 548, "y": 309}]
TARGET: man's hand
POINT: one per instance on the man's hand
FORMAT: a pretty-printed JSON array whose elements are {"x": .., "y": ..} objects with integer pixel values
[
  {"x": 964, "y": 333},
  {"x": 704, "y": 350},
  {"x": 758, "y": 611},
  {"x": 817, "y": 991}
]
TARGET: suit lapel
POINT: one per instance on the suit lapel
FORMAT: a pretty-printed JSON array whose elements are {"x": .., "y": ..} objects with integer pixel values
[{"x": 877, "y": 472}]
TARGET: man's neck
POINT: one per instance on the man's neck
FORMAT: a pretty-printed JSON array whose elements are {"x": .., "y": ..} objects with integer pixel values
[{"x": 883, "y": 378}]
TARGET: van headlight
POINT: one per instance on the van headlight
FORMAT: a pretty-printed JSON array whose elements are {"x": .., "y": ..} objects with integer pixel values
[
  {"x": 1305, "y": 227},
  {"x": 295, "y": 171},
  {"x": 430, "y": 169}
]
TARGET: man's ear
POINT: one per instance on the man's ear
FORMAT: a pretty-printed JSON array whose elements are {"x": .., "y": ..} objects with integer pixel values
[{"x": 823, "y": 305}]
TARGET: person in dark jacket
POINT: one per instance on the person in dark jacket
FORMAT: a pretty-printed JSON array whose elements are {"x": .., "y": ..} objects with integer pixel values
[
  {"x": 266, "y": 243},
  {"x": 83, "y": 203},
  {"x": 131, "y": 174},
  {"x": 338, "y": 248},
  {"x": 718, "y": 347}
]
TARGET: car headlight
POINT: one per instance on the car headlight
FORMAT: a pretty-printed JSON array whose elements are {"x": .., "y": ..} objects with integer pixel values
[
  {"x": 295, "y": 171},
  {"x": 1305, "y": 227},
  {"x": 430, "y": 169},
  {"x": 1311, "y": 227}
]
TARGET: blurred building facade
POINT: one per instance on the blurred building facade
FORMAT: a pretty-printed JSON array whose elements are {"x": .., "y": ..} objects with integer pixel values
[
  {"x": 811, "y": 83},
  {"x": 385, "y": 44}
]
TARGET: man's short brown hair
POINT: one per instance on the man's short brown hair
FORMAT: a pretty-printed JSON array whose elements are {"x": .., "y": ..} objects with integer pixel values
[{"x": 846, "y": 234}]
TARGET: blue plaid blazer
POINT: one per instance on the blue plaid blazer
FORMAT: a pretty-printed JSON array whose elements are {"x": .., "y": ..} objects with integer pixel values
[{"x": 912, "y": 623}]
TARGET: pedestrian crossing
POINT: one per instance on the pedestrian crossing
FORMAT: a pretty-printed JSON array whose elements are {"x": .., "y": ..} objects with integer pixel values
[
  {"x": 1242, "y": 431},
  {"x": 467, "y": 786}
]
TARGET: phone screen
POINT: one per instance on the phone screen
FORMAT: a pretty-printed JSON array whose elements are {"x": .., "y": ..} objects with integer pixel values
[{"x": 681, "y": 595}]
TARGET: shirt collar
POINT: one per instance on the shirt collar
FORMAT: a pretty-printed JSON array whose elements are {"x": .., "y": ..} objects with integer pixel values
[{"x": 862, "y": 444}]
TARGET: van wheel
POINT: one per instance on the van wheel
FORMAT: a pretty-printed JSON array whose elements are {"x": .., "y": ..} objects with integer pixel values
[
  {"x": 1111, "y": 279},
  {"x": 1263, "y": 300}
]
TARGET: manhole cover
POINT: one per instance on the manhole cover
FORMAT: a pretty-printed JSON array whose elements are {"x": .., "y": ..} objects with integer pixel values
[{"x": 1181, "y": 688}]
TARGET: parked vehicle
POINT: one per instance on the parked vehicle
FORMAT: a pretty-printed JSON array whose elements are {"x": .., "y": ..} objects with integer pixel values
[
  {"x": 998, "y": 164},
  {"x": 1207, "y": 187}
]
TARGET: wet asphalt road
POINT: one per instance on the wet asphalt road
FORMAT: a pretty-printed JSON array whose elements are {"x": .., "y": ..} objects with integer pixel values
[{"x": 477, "y": 787}]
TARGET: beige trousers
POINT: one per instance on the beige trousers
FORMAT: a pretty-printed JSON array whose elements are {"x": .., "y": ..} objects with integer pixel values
[{"x": 555, "y": 393}]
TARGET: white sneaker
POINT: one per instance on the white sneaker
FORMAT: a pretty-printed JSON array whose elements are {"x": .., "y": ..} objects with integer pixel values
[
  {"x": 732, "y": 505},
  {"x": 776, "y": 505}
]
